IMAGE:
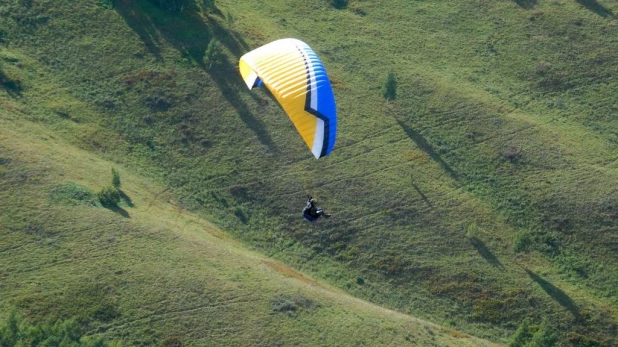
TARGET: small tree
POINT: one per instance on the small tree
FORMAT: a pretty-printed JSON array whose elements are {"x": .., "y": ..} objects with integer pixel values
[
  {"x": 522, "y": 335},
  {"x": 115, "y": 178},
  {"x": 339, "y": 4},
  {"x": 17, "y": 332},
  {"x": 213, "y": 53},
  {"x": 229, "y": 19},
  {"x": 109, "y": 196},
  {"x": 544, "y": 337},
  {"x": 389, "y": 90}
]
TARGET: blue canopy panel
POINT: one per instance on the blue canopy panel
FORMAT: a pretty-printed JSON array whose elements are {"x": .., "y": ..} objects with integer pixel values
[{"x": 320, "y": 101}]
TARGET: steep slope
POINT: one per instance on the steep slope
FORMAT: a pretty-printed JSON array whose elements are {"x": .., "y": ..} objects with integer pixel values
[
  {"x": 483, "y": 194},
  {"x": 148, "y": 271}
]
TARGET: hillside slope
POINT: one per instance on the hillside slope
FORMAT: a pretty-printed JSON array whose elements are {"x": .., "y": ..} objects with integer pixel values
[
  {"x": 483, "y": 194},
  {"x": 149, "y": 271}
]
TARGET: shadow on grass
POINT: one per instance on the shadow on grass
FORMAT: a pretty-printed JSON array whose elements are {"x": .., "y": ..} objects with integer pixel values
[
  {"x": 117, "y": 209},
  {"x": 228, "y": 80},
  {"x": 11, "y": 86},
  {"x": 420, "y": 192},
  {"x": 485, "y": 252},
  {"x": 190, "y": 32},
  {"x": 526, "y": 3},
  {"x": 555, "y": 293},
  {"x": 141, "y": 24},
  {"x": 594, "y": 6},
  {"x": 426, "y": 147},
  {"x": 127, "y": 200}
]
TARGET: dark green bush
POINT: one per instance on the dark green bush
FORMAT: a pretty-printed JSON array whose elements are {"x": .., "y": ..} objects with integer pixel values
[
  {"x": 542, "y": 241},
  {"x": 511, "y": 153},
  {"x": 72, "y": 194},
  {"x": 11, "y": 84},
  {"x": 389, "y": 90},
  {"x": 212, "y": 55},
  {"x": 339, "y": 4},
  {"x": 523, "y": 241},
  {"x": 105, "y": 312},
  {"x": 16, "y": 332},
  {"x": 544, "y": 337},
  {"x": 109, "y": 196},
  {"x": 158, "y": 101},
  {"x": 115, "y": 178},
  {"x": 522, "y": 335},
  {"x": 291, "y": 304}
]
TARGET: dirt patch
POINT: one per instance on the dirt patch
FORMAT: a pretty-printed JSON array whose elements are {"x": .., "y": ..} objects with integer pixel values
[{"x": 288, "y": 271}]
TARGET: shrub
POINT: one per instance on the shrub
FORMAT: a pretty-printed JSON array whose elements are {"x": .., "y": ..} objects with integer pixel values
[
  {"x": 229, "y": 18},
  {"x": 471, "y": 231},
  {"x": 544, "y": 337},
  {"x": 105, "y": 312},
  {"x": 158, "y": 101},
  {"x": 109, "y": 196},
  {"x": 523, "y": 241},
  {"x": 290, "y": 304},
  {"x": 72, "y": 194},
  {"x": 16, "y": 332},
  {"x": 511, "y": 153},
  {"x": 389, "y": 90},
  {"x": 522, "y": 335},
  {"x": 11, "y": 84},
  {"x": 115, "y": 178},
  {"x": 212, "y": 55},
  {"x": 339, "y": 4}
]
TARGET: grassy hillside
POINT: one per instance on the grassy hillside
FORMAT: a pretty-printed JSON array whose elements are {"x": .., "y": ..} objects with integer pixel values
[
  {"x": 483, "y": 194},
  {"x": 151, "y": 273}
]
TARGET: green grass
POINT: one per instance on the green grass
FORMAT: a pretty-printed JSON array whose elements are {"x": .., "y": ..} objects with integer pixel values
[
  {"x": 156, "y": 272},
  {"x": 504, "y": 120}
]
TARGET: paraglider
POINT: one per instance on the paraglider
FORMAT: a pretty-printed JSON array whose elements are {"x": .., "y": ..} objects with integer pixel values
[
  {"x": 311, "y": 212},
  {"x": 296, "y": 77}
]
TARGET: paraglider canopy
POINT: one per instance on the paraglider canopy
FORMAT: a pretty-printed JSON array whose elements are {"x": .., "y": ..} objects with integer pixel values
[{"x": 294, "y": 74}]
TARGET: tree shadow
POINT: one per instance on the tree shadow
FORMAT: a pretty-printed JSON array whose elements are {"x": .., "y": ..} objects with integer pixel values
[
  {"x": 228, "y": 82},
  {"x": 119, "y": 210},
  {"x": 190, "y": 32},
  {"x": 555, "y": 293},
  {"x": 527, "y": 4},
  {"x": 141, "y": 24},
  {"x": 11, "y": 86},
  {"x": 127, "y": 200},
  {"x": 426, "y": 147},
  {"x": 423, "y": 196},
  {"x": 485, "y": 252},
  {"x": 594, "y": 6}
]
